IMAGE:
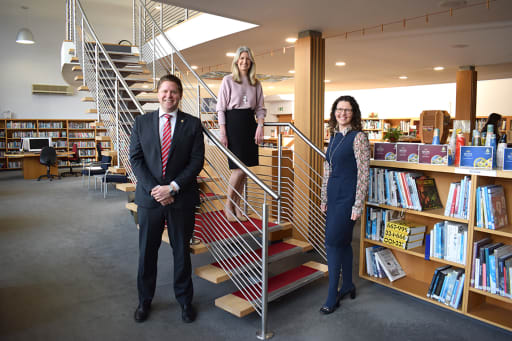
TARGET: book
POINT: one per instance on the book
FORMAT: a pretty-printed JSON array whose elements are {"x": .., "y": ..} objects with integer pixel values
[
  {"x": 389, "y": 264},
  {"x": 498, "y": 206},
  {"x": 434, "y": 279},
  {"x": 476, "y": 249},
  {"x": 427, "y": 193}
]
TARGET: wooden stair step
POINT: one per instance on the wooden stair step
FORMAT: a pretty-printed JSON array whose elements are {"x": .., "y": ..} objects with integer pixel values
[
  {"x": 82, "y": 88},
  {"x": 87, "y": 99},
  {"x": 79, "y": 78},
  {"x": 76, "y": 68},
  {"x": 91, "y": 111},
  {"x": 74, "y": 60},
  {"x": 279, "y": 285},
  {"x": 126, "y": 187},
  {"x": 102, "y": 138},
  {"x": 216, "y": 274}
]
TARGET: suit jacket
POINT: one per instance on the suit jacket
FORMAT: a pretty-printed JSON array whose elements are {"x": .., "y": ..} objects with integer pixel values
[{"x": 186, "y": 158}]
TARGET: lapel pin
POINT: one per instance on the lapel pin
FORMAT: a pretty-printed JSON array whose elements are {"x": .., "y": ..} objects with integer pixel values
[{"x": 181, "y": 121}]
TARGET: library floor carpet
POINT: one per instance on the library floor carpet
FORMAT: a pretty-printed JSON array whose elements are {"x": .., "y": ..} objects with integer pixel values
[{"x": 68, "y": 261}]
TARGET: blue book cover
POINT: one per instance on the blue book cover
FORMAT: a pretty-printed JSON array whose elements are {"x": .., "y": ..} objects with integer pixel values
[
  {"x": 427, "y": 246},
  {"x": 442, "y": 240},
  {"x": 459, "y": 292},
  {"x": 492, "y": 274},
  {"x": 487, "y": 207},
  {"x": 478, "y": 213},
  {"x": 388, "y": 192},
  {"x": 403, "y": 202}
]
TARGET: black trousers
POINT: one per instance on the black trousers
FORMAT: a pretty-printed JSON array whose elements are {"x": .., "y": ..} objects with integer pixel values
[{"x": 180, "y": 229}]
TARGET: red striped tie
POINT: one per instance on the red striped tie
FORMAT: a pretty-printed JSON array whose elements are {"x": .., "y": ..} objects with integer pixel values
[{"x": 166, "y": 142}]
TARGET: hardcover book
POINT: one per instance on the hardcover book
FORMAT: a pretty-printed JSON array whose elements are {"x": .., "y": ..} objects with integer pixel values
[
  {"x": 427, "y": 193},
  {"x": 390, "y": 265}
]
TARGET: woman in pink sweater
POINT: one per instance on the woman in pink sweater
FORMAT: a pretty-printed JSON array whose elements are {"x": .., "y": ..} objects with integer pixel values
[{"x": 240, "y": 100}]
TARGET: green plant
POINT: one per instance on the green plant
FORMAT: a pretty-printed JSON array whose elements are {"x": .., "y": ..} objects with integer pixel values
[{"x": 392, "y": 134}]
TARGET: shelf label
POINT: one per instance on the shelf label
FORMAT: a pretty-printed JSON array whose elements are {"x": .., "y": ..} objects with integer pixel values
[{"x": 470, "y": 171}]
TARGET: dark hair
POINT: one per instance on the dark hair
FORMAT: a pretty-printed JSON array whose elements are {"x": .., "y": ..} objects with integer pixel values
[
  {"x": 493, "y": 119},
  {"x": 170, "y": 78},
  {"x": 356, "y": 114}
]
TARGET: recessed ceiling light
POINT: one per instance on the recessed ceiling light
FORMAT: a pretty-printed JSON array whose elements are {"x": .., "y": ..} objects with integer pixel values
[
  {"x": 403, "y": 77},
  {"x": 439, "y": 68},
  {"x": 230, "y": 54},
  {"x": 194, "y": 67},
  {"x": 459, "y": 46},
  {"x": 341, "y": 63},
  {"x": 291, "y": 71},
  {"x": 291, "y": 40},
  {"x": 327, "y": 81}
]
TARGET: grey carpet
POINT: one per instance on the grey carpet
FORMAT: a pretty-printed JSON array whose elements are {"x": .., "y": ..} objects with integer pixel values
[{"x": 68, "y": 261}]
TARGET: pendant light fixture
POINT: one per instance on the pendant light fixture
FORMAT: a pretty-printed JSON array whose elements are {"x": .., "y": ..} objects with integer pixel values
[{"x": 24, "y": 35}]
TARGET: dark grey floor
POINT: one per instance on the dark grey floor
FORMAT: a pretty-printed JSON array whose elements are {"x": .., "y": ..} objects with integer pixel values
[{"x": 68, "y": 261}]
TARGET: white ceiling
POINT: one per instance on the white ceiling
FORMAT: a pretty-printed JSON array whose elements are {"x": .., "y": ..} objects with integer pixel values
[{"x": 375, "y": 59}]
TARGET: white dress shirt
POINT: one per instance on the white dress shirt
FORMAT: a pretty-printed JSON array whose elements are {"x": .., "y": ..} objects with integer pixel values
[{"x": 161, "y": 125}]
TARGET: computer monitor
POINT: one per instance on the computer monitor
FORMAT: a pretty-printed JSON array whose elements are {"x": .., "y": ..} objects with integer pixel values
[{"x": 36, "y": 144}]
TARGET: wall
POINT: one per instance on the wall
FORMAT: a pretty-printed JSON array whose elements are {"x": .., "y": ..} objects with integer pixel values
[{"x": 23, "y": 65}]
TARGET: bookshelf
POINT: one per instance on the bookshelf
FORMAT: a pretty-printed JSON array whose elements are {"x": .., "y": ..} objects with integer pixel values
[
  {"x": 478, "y": 304},
  {"x": 63, "y": 132}
]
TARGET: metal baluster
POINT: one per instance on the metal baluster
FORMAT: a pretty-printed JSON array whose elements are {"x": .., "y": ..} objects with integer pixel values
[
  {"x": 74, "y": 27},
  {"x": 263, "y": 334},
  {"x": 199, "y": 101},
  {"x": 134, "y": 24},
  {"x": 83, "y": 51},
  {"x": 140, "y": 33},
  {"x": 279, "y": 158},
  {"x": 154, "y": 59},
  {"x": 117, "y": 120},
  {"x": 96, "y": 56}
]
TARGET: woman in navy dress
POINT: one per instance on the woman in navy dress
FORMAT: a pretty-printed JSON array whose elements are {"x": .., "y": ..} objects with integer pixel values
[{"x": 344, "y": 189}]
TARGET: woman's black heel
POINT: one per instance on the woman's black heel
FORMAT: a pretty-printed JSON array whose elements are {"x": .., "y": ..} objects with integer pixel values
[{"x": 352, "y": 293}]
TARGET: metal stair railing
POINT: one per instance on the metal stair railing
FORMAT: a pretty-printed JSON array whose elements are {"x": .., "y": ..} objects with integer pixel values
[{"x": 116, "y": 104}]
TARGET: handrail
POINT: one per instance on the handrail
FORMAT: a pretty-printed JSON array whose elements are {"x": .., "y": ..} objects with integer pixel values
[
  {"x": 246, "y": 170},
  {"x": 112, "y": 65},
  {"x": 162, "y": 33},
  {"x": 299, "y": 133}
]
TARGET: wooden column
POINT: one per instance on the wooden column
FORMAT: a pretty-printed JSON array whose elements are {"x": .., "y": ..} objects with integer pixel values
[
  {"x": 465, "y": 108},
  {"x": 309, "y": 118}
]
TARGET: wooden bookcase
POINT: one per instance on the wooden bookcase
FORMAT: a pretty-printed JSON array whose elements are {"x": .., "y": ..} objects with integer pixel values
[
  {"x": 63, "y": 132},
  {"x": 374, "y": 127},
  {"x": 490, "y": 308}
]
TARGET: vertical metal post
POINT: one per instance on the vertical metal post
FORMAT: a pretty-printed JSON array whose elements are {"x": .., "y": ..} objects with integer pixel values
[
  {"x": 74, "y": 27},
  {"x": 199, "y": 101},
  {"x": 67, "y": 21},
  {"x": 154, "y": 59},
  {"x": 263, "y": 334},
  {"x": 83, "y": 51},
  {"x": 140, "y": 33},
  {"x": 134, "y": 23},
  {"x": 97, "y": 60},
  {"x": 186, "y": 14},
  {"x": 279, "y": 164},
  {"x": 162, "y": 16},
  {"x": 117, "y": 121},
  {"x": 172, "y": 61}
]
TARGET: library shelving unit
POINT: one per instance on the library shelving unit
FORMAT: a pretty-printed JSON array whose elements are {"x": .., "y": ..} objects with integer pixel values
[
  {"x": 506, "y": 123},
  {"x": 83, "y": 134},
  {"x": 408, "y": 126},
  {"x": 62, "y": 131},
  {"x": 374, "y": 127},
  {"x": 492, "y": 309}
]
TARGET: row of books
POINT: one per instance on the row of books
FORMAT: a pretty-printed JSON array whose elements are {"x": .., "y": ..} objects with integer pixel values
[
  {"x": 404, "y": 234},
  {"x": 457, "y": 203},
  {"x": 81, "y": 135},
  {"x": 447, "y": 285},
  {"x": 492, "y": 267},
  {"x": 381, "y": 263},
  {"x": 376, "y": 219},
  {"x": 403, "y": 189},
  {"x": 448, "y": 240},
  {"x": 491, "y": 207}
]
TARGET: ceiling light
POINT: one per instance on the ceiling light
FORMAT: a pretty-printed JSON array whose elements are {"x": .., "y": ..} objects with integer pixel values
[
  {"x": 291, "y": 71},
  {"x": 341, "y": 63},
  {"x": 193, "y": 67},
  {"x": 327, "y": 81},
  {"x": 291, "y": 40},
  {"x": 403, "y": 77},
  {"x": 271, "y": 87},
  {"x": 459, "y": 46},
  {"x": 230, "y": 54},
  {"x": 24, "y": 36},
  {"x": 439, "y": 68}
]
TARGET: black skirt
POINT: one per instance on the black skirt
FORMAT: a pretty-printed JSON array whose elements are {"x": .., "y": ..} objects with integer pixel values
[{"x": 240, "y": 130}]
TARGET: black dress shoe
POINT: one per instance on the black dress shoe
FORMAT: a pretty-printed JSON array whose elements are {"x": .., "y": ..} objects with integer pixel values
[
  {"x": 142, "y": 312},
  {"x": 188, "y": 313},
  {"x": 329, "y": 310},
  {"x": 352, "y": 293}
]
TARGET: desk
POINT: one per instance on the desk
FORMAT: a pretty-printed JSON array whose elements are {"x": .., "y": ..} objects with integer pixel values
[{"x": 32, "y": 168}]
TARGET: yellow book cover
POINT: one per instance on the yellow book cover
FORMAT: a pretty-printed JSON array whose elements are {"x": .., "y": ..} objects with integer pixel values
[{"x": 406, "y": 226}]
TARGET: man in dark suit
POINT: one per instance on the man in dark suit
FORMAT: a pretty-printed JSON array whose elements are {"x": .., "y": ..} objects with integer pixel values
[{"x": 166, "y": 155}]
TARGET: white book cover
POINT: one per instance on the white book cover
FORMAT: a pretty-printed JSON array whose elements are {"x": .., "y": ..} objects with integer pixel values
[
  {"x": 390, "y": 265},
  {"x": 448, "y": 205}
]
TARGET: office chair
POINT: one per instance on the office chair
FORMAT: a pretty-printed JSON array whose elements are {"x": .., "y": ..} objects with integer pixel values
[
  {"x": 75, "y": 158},
  {"x": 111, "y": 178},
  {"x": 48, "y": 157}
]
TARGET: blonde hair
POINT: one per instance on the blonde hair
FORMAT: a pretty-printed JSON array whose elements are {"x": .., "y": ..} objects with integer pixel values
[{"x": 252, "y": 71}]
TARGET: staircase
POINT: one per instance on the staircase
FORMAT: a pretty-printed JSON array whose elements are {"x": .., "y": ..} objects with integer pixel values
[{"x": 280, "y": 200}]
